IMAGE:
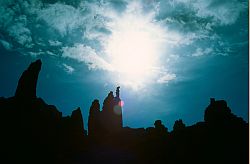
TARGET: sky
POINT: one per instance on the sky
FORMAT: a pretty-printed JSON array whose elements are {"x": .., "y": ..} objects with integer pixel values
[{"x": 168, "y": 56}]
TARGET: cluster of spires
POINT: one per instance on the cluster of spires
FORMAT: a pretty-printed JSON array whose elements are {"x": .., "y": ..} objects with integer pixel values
[
  {"x": 34, "y": 131},
  {"x": 108, "y": 120}
]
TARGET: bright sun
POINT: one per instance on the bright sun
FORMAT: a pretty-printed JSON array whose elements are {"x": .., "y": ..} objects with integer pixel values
[
  {"x": 134, "y": 47},
  {"x": 132, "y": 51}
]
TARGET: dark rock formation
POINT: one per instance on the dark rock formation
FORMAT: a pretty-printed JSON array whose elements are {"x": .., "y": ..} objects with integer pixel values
[
  {"x": 94, "y": 122},
  {"x": 26, "y": 88},
  {"x": 158, "y": 132},
  {"x": 109, "y": 120},
  {"x": 178, "y": 125},
  {"x": 118, "y": 109},
  {"x": 77, "y": 122},
  {"x": 219, "y": 114},
  {"x": 222, "y": 138},
  {"x": 160, "y": 128},
  {"x": 33, "y": 131}
]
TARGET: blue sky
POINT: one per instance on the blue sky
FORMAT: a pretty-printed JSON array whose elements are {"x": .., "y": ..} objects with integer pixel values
[{"x": 169, "y": 57}]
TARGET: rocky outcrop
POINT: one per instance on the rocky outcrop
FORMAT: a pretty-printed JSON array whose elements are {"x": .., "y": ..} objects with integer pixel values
[
  {"x": 178, "y": 125},
  {"x": 160, "y": 128},
  {"x": 35, "y": 132},
  {"x": 33, "y": 129},
  {"x": 94, "y": 121},
  {"x": 77, "y": 122},
  {"x": 26, "y": 88},
  {"x": 109, "y": 120},
  {"x": 117, "y": 109},
  {"x": 219, "y": 114}
]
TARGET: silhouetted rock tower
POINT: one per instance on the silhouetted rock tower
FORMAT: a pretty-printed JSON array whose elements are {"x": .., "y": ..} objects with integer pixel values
[
  {"x": 118, "y": 108},
  {"x": 112, "y": 112},
  {"x": 26, "y": 88},
  {"x": 109, "y": 120},
  {"x": 94, "y": 122}
]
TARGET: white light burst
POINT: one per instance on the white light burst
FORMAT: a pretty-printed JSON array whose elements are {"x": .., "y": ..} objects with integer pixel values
[{"x": 134, "y": 46}]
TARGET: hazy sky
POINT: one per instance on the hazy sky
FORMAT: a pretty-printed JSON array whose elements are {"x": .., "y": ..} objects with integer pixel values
[{"x": 168, "y": 56}]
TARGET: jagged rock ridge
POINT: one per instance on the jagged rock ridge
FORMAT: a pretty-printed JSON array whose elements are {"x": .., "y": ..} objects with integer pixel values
[
  {"x": 34, "y": 125},
  {"x": 35, "y": 132}
]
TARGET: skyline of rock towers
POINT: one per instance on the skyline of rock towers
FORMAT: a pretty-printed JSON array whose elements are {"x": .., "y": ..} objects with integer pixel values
[
  {"x": 33, "y": 131},
  {"x": 109, "y": 120}
]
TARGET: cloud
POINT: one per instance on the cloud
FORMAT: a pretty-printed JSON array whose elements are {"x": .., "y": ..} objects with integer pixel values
[
  {"x": 69, "y": 22},
  {"x": 86, "y": 54},
  {"x": 6, "y": 44},
  {"x": 20, "y": 33},
  {"x": 80, "y": 30},
  {"x": 6, "y": 14},
  {"x": 166, "y": 77},
  {"x": 51, "y": 53},
  {"x": 201, "y": 52},
  {"x": 224, "y": 12},
  {"x": 199, "y": 20},
  {"x": 35, "y": 54},
  {"x": 55, "y": 43},
  {"x": 68, "y": 68},
  {"x": 61, "y": 17}
]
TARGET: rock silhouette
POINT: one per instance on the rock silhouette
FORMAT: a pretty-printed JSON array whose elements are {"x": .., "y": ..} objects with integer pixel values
[
  {"x": 179, "y": 125},
  {"x": 107, "y": 121},
  {"x": 26, "y": 88},
  {"x": 219, "y": 114},
  {"x": 159, "y": 126},
  {"x": 32, "y": 129},
  {"x": 94, "y": 122},
  {"x": 35, "y": 132}
]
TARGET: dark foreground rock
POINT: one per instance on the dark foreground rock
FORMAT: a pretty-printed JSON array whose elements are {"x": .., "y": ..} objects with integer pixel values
[{"x": 35, "y": 132}]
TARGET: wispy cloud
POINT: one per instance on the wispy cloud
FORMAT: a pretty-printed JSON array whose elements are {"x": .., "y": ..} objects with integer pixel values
[
  {"x": 86, "y": 54},
  {"x": 35, "y": 54},
  {"x": 201, "y": 52},
  {"x": 55, "y": 43},
  {"x": 69, "y": 69},
  {"x": 63, "y": 18},
  {"x": 223, "y": 12},
  {"x": 20, "y": 32},
  {"x": 165, "y": 78},
  {"x": 70, "y": 22},
  {"x": 6, "y": 44},
  {"x": 79, "y": 29}
]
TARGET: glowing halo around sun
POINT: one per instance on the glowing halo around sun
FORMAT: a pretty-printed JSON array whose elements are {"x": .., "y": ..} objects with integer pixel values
[{"x": 134, "y": 46}]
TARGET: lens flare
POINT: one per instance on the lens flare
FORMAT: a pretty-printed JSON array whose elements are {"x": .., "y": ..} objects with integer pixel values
[{"x": 121, "y": 103}]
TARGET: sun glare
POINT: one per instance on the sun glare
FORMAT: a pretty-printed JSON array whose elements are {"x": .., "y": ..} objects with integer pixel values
[
  {"x": 132, "y": 51},
  {"x": 134, "y": 47}
]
